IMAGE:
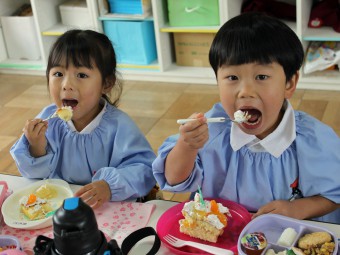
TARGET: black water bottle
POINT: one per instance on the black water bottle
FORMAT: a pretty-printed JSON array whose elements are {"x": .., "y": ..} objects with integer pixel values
[{"x": 76, "y": 230}]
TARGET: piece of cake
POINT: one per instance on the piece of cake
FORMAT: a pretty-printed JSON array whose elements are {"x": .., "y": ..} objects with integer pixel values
[
  {"x": 65, "y": 113},
  {"x": 240, "y": 116},
  {"x": 204, "y": 219},
  {"x": 35, "y": 208},
  {"x": 46, "y": 192}
]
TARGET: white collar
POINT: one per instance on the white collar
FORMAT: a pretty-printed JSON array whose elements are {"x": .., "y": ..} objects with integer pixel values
[
  {"x": 276, "y": 142},
  {"x": 93, "y": 124}
]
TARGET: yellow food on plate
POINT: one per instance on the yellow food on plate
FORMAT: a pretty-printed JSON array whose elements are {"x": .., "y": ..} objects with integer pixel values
[
  {"x": 204, "y": 219},
  {"x": 46, "y": 192},
  {"x": 317, "y": 243},
  {"x": 65, "y": 113},
  {"x": 34, "y": 207}
]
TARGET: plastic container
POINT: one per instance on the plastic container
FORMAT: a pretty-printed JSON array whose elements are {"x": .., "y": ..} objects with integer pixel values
[
  {"x": 134, "y": 41},
  {"x": 129, "y": 6},
  {"x": 273, "y": 225},
  {"x": 21, "y": 38},
  {"x": 75, "y": 14},
  {"x": 11, "y": 242}
]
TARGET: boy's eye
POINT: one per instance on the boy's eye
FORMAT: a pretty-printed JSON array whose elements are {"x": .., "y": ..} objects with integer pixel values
[
  {"x": 232, "y": 77},
  {"x": 262, "y": 77},
  {"x": 57, "y": 74},
  {"x": 82, "y": 75}
]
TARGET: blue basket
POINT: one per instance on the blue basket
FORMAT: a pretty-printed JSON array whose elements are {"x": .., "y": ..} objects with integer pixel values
[
  {"x": 126, "y": 6},
  {"x": 133, "y": 41}
]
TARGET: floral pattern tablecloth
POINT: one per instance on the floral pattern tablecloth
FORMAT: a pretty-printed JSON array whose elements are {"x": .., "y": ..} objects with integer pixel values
[{"x": 115, "y": 219}]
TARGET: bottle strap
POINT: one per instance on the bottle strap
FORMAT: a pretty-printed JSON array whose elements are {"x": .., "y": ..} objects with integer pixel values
[{"x": 138, "y": 235}]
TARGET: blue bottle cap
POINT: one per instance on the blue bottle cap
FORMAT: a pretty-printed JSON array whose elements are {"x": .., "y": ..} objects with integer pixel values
[{"x": 71, "y": 203}]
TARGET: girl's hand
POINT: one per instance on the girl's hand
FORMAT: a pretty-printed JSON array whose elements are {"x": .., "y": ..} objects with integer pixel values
[
  {"x": 95, "y": 194},
  {"x": 34, "y": 131},
  {"x": 194, "y": 134},
  {"x": 282, "y": 207}
]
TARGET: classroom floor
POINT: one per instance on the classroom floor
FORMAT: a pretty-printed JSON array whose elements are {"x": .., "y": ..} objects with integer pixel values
[{"x": 155, "y": 106}]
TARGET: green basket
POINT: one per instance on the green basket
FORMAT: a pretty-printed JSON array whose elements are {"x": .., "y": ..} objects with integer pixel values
[{"x": 193, "y": 13}]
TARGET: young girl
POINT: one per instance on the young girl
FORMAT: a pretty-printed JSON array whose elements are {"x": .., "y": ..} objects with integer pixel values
[
  {"x": 275, "y": 153},
  {"x": 101, "y": 147}
]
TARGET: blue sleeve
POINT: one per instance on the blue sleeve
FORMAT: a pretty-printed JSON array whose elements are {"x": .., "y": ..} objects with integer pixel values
[
  {"x": 197, "y": 175},
  {"x": 31, "y": 167},
  {"x": 129, "y": 173},
  {"x": 318, "y": 154},
  {"x": 158, "y": 166}
]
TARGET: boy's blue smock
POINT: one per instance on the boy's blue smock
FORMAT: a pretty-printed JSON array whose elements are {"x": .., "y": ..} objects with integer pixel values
[
  {"x": 115, "y": 151},
  {"x": 255, "y": 178}
]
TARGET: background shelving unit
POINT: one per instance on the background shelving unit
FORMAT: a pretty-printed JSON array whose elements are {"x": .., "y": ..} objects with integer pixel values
[{"x": 48, "y": 25}]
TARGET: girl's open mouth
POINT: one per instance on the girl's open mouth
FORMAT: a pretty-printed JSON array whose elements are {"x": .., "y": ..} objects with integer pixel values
[{"x": 70, "y": 102}]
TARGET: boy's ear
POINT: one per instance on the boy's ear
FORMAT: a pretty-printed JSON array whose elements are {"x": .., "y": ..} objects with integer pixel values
[{"x": 291, "y": 85}]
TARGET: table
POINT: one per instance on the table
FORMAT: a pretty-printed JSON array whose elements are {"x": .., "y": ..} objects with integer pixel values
[{"x": 142, "y": 247}]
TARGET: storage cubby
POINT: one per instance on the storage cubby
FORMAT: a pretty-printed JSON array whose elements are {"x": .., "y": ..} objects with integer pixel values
[{"x": 47, "y": 20}]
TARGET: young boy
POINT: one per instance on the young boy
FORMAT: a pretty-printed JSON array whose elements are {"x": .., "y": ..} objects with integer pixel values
[{"x": 277, "y": 151}]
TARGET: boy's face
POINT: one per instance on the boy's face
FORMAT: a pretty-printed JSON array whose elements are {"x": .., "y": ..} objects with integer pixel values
[
  {"x": 258, "y": 89},
  {"x": 81, "y": 88}
]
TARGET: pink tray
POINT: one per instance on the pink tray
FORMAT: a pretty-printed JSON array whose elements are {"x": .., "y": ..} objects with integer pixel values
[{"x": 168, "y": 224}]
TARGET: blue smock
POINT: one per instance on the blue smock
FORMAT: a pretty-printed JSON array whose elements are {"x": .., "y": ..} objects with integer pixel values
[
  {"x": 115, "y": 151},
  {"x": 254, "y": 179}
]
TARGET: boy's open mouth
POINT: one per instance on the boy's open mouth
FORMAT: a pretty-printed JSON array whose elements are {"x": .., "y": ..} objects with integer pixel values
[
  {"x": 70, "y": 102},
  {"x": 255, "y": 116}
]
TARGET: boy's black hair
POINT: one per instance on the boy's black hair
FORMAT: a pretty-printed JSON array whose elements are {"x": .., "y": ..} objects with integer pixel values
[
  {"x": 256, "y": 38},
  {"x": 86, "y": 48}
]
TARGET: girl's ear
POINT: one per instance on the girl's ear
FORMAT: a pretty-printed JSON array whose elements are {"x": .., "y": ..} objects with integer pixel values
[
  {"x": 108, "y": 85},
  {"x": 291, "y": 85}
]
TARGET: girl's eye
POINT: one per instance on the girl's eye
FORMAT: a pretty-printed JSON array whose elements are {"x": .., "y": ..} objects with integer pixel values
[
  {"x": 232, "y": 78},
  {"x": 57, "y": 74},
  {"x": 262, "y": 77},
  {"x": 82, "y": 75}
]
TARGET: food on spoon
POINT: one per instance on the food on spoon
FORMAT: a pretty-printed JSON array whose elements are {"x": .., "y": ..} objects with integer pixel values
[
  {"x": 204, "y": 219},
  {"x": 65, "y": 113},
  {"x": 240, "y": 116},
  {"x": 254, "y": 243},
  {"x": 287, "y": 237}
]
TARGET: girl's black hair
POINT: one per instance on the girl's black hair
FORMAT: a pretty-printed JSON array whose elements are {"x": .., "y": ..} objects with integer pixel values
[
  {"x": 256, "y": 38},
  {"x": 86, "y": 48}
]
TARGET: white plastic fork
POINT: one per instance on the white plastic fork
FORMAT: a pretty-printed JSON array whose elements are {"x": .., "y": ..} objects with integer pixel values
[
  {"x": 174, "y": 241},
  {"x": 53, "y": 115}
]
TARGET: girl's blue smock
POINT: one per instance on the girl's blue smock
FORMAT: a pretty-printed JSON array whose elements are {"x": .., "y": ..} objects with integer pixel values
[
  {"x": 255, "y": 178},
  {"x": 115, "y": 151}
]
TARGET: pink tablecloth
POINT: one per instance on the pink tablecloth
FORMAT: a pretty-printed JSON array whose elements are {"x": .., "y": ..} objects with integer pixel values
[{"x": 115, "y": 219}]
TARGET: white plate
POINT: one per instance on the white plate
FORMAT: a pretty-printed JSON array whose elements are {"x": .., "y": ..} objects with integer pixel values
[{"x": 11, "y": 207}]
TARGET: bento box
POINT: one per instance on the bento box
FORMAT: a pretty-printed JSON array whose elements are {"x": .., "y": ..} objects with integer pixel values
[{"x": 281, "y": 233}]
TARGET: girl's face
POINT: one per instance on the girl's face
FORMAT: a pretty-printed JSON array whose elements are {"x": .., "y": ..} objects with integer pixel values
[
  {"x": 81, "y": 88},
  {"x": 256, "y": 88}
]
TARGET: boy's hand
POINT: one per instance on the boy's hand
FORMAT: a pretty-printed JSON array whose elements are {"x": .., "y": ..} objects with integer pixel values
[
  {"x": 34, "y": 131},
  {"x": 282, "y": 207},
  {"x": 95, "y": 194},
  {"x": 194, "y": 134}
]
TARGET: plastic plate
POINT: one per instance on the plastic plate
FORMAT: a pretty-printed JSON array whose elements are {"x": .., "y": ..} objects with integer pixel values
[
  {"x": 168, "y": 224},
  {"x": 14, "y": 218}
]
